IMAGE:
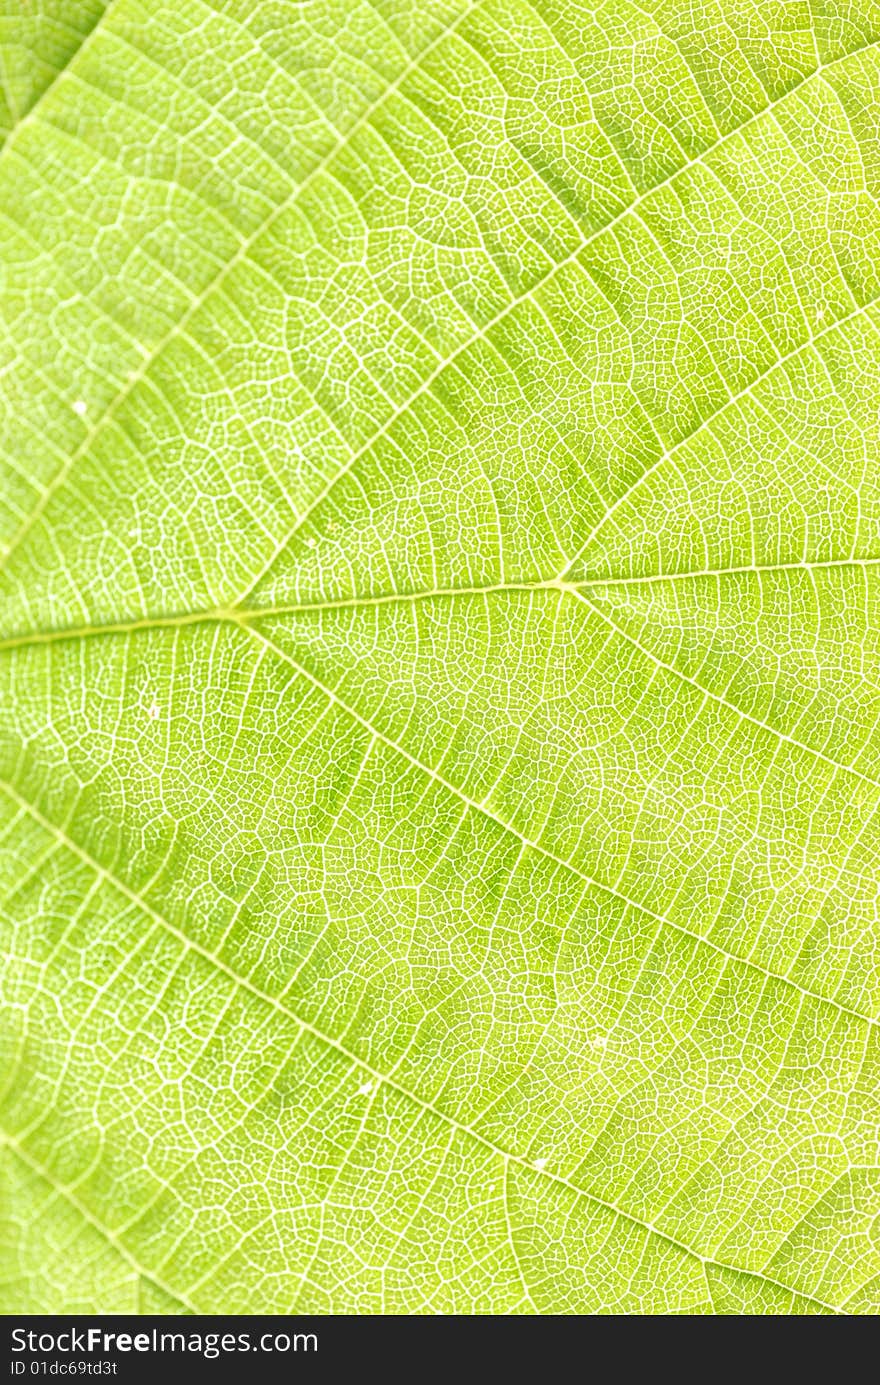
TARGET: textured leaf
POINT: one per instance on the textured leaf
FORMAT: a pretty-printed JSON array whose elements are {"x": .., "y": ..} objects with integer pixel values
[{"x": 439, "y": 657}]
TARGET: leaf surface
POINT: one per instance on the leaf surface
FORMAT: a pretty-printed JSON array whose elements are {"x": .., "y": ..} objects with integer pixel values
[{"x": 439, "y": 668}]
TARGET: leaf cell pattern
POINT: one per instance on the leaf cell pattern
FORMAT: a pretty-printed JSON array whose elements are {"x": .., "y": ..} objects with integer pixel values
[{"x": 439, "y": 656}]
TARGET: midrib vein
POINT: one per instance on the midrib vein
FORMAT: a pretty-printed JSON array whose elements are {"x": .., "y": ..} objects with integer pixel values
[
  {"x": 259, "y": 612},
  {"x": 245, "y": 619},
  {"x": 451, "y": 360},
  {"x": 342, "y": 603},
  {"x": 734, "y": 570},
  {"x": 328, "y": 1040}
]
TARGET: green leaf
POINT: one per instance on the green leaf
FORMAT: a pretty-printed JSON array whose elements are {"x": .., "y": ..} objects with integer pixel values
[{"x": 439, "y": 657}]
